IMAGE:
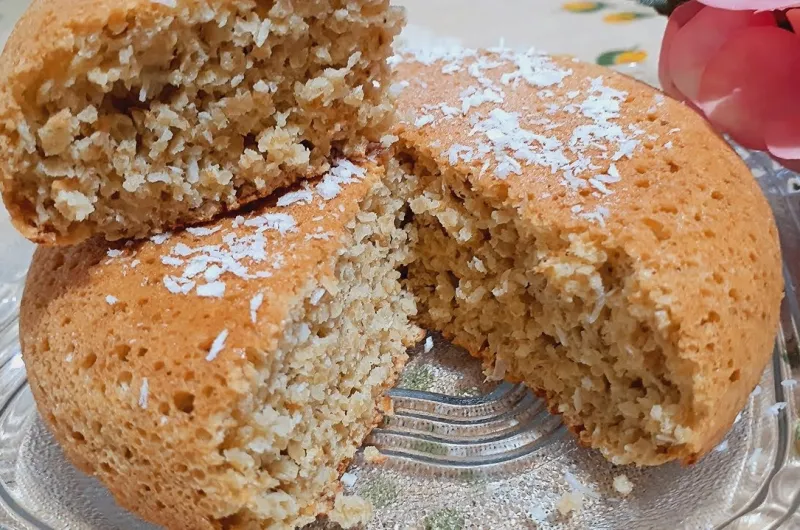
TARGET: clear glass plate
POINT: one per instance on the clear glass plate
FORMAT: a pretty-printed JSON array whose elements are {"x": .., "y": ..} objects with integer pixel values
[{"x": 463, "y": 452}]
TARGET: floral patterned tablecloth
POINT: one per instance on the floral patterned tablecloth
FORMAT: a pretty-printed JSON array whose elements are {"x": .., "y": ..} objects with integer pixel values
[{"x": 621, "y": 33}]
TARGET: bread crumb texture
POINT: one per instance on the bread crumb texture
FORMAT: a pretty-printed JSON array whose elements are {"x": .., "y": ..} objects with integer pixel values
[
  {"x": 124, "y": 118},
  {"x": 572, "y": 501},
  {"x": 238, "y": 409},
  {"x": 623, "y": 485},
  {"x": 585, "y": 235},
  {"x": 373, "y": 455},
  {"x": 350, "y": 511}
]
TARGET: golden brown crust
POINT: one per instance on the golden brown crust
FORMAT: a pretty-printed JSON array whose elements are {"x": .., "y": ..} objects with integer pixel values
[
  {"x": 44, "y": 37},
  {"x": 88, "y": 355},
  {"x": 65, "y": 177},
  {"x": 686, "y": 215},
  {"x": 206, "y": 213}
]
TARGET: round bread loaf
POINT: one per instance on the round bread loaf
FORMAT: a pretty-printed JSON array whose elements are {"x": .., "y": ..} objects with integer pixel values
[
  {"x": 125, "y": 118},
  {"x": 572, "y": 227},
  {"x": 223, "y": 376},
  {"x": 586, "y": 235}
]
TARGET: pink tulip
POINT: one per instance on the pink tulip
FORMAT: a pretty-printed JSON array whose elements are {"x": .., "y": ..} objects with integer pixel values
[
  {"x": 749, "y": 5},
  {"x": 731, "y": 61}
]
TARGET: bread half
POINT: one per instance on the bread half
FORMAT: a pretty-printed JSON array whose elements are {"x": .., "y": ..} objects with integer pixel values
[
  {"x": 223, "y": 376},
  {"x": 127, "y": 118},
  {"x": 583, "y": 234}
]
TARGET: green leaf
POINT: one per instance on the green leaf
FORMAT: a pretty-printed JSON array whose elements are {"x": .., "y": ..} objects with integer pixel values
[
  {"x": 608, "y": 58},
  {"x": 614, "y": 57}
]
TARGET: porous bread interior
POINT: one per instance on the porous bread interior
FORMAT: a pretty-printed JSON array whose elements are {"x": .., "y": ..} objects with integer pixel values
[
  {"x": 337, "y": 356},
  {"x": 209, "y": 106},
  {"x": 557, "y": 311}
]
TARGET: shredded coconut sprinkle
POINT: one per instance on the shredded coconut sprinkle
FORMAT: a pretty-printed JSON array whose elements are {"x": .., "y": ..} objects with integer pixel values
[
  {"x": 159, "y": 239},
  {"x": 623, "y": 485},
  {"x": 203, "y": 267},
  {"x": 304, "y": 196},
  {"x": 569, "y": 502},
  {"x": 599, "y": 215},
  {"x": 143, "y": 393},
  {"x": 503, "y": 142},
  {"x": 538, "y": 514},
  {"x": 211, "y": 290},
  {"x": 317, "y": 296},
  {"x": 111, "y": 300},
  {"x": 344, "y": 172},
  {"x": 349, "y": 480},
  {"x": 217, "y": 346},
  {"x": 576, "y": 486},
  {"x": 242, "y": 251},
  {"x": 511, "y": 144},
  {"x": 200, "y": 231},
  {"x": 755, "y": 459},
  {"x": 536, "y": 69},
  {"x": 776, "y": 409},
  {"x": 422, "y": 121},
  {"x": 255, "y": 303}
]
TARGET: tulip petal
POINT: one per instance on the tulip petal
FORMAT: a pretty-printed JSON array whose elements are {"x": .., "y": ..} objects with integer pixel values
[
  {"x": 685, "y": 12},
  {"x": 793, "y": 15},
  {"x": 701, "y": 38},
  {"x": 783, "y": 137},
  {"x": 679, "y": 17},
  {"x": 758, "y": 5},
  {"x": 794, "y": 165},
  {"x": 750, "y": 82}
]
